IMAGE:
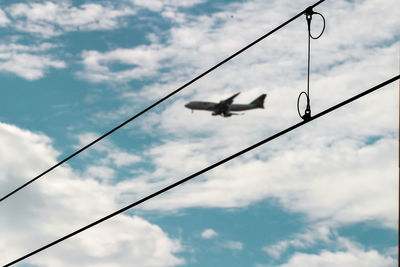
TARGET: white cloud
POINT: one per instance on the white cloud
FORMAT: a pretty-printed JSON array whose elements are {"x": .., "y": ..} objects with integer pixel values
[
  {"x": 121, "y": 158},
  {"x": 353, "y": 256},
  {"x": 303, "y": 240},
  {"x": 160, "y": 5},
  {"x": 152, "y": 5},
  {"x": 119, "y": 243},
  {"x": 208, "y": 234},
  {"x": 275, "y": 251},
  {"x": 4, "y": 21},
  {"x": 341, "y": 252},
  {"x": 100, "y": 172},
  {"x": 142, "y": 61},
  {"x": 114, "y": 157},
  {"x": 62, "y": 202},
  {"x": 232, "y": 245},
  {"x": 28, "y": 62},
  {"x": 30, "y": 67},
  {"x": 54, "y": 18}
]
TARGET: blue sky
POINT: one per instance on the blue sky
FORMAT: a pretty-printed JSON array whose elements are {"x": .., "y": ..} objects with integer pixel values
[{"x": 323, "y": 195}]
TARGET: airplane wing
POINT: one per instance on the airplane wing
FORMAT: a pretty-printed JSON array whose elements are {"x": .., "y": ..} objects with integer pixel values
[
  {"x": 229, "y": 101},
  {"x": 223, "y": 106}
]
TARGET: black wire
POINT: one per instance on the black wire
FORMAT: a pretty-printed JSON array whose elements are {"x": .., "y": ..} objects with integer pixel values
[
  {"x": 208, "y": 168},
  {"x": 158, "y": 102}
]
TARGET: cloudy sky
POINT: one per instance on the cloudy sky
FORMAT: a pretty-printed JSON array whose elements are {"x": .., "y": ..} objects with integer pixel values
[{"x": 323, "y": 195}]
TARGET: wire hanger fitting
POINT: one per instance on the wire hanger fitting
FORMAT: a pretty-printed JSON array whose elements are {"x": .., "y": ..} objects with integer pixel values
[{"x": 309, "y": 13}]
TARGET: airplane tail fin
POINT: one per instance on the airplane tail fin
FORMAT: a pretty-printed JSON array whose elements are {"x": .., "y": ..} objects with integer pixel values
[{"x": 259, "y": 101}]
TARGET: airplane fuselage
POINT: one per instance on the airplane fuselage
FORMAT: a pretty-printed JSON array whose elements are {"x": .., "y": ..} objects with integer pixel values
[{"x": 200, "y": 105}]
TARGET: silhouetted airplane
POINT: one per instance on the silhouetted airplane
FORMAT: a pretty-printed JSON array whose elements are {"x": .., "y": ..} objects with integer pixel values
[{"x": 225, "y": 107}]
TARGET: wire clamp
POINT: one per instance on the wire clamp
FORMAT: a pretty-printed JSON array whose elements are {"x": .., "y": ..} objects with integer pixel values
[{"x": 309, "y": 12}]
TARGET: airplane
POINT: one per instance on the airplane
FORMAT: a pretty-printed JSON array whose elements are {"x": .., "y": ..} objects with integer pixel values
[{"x": 225, "y": 107}]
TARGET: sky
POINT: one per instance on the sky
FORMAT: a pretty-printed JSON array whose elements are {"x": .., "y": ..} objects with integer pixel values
[{"x": 325, "y": 194}]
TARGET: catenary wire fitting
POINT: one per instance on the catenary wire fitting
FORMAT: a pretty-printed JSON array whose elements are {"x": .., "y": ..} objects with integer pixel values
[{"x": 309, "y": 13}]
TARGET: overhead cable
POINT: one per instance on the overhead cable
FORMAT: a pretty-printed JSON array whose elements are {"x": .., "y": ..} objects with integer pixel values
[
  {"x": 208, "y": 168},
  {"x": 159, "y": 101}
]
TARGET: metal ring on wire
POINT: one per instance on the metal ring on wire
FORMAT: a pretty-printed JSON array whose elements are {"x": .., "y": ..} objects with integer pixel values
[
  {"x": 307, "y": 113},
  {"x": 323, "y": 28}
]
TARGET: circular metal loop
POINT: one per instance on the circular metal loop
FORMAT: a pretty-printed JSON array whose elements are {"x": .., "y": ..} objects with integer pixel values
[
  {"x": 307, "y": 112},
  {"x": 323, "y": 28}
]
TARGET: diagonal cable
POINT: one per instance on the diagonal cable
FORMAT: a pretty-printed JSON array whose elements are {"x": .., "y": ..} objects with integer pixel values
[
  {"x": 158, "y": 102},
  {"x": 341, "y": 104}
]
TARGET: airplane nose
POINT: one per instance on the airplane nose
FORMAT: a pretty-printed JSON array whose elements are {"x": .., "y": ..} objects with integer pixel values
[{"x": 187, "y": 105}]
